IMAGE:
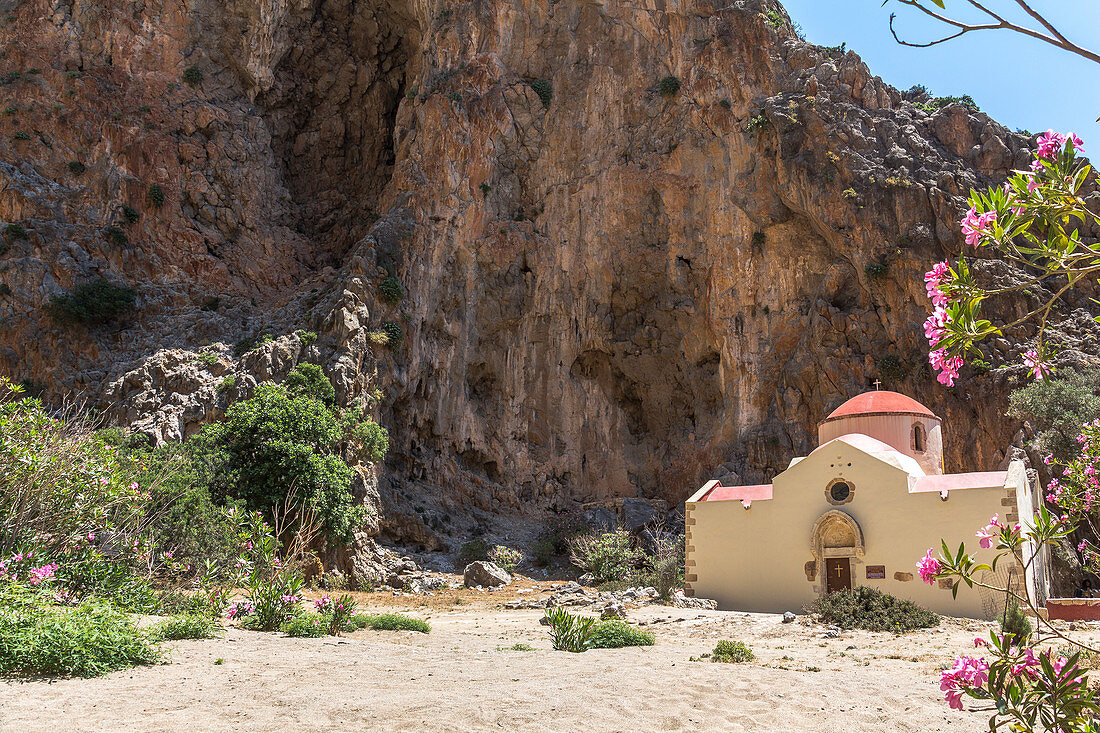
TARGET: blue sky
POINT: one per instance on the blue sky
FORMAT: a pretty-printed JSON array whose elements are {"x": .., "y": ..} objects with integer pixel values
[{"x": 1019, "y": 81}]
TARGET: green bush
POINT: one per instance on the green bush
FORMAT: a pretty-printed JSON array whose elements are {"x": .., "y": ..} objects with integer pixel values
[
  {"x": 544, "y": 89},
  {"x": 156, "y": 195},
  {"x": 734, "y": 652},
  {"x": 569, "y": 633},
  {"x": 309, "y": 380},
  {"x": 307, "y": 625},
  {"x": 191, "y": 626},
  {"x": 505, "y": 557},
  {"x": 617, "y": 634},
  {"x": 77, "y": 168},
  {"x": 1015, "y": 624},
  {"x": 277, "y": 441},
  {"x": 1056, "y": 408},
  {"x": 891, "y": 368},
  {"x": 91, "y": 303},
  {"x": 388, "y": 622},
  {"x": 758, "y": 239},
  {"x": 391, "y": 290},
  {"x": 192, "y": 75},
  {"x": 83, "y": 641},
  {"x": 606, "y": 556},
  {"x": 668, "y": 86},
  {"x": 369, "y": 440},
  {"x": 472, "y": 551},
  {"x": 21, "y": 135},
  {"x": 563, "y": 527},
  {"x": 308, "y": 338},
  {"x": 867, "y": 608},
  {"x": 227, "y": 384},
  {"x": 130, "y": 214}
]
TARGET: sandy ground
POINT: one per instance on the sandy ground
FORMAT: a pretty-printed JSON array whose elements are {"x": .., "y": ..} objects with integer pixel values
[{"x": 463, "y": 677}]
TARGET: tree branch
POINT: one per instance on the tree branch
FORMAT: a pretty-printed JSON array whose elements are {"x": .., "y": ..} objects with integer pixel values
[{"x": 1055, "y": 37}]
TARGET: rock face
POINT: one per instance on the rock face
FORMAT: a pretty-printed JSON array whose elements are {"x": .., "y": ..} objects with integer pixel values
[
  {"x": 485, "y": 574},
  {"x": 611, "y": 288}
]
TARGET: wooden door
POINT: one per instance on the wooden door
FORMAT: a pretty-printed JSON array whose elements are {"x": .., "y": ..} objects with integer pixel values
[{"x": 838, "y": 574}]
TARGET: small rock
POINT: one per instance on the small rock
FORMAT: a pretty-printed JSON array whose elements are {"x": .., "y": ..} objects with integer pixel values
[
  {"x": 832, "y": 632},
  {"x": 788, "y": 617}
]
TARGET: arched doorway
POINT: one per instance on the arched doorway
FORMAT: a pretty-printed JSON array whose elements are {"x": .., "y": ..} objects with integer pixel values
[{"x": 836, "y": 540}]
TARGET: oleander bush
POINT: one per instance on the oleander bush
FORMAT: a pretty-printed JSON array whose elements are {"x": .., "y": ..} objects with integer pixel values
[
  {"x": 607, "y": 556},
  {"x": 306, "y": 625},
  {"x": 505, "y": 557},
  {"x": 472, "y": 551}
]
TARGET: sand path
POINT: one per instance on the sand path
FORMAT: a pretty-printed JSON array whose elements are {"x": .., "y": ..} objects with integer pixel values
[{"x": 462, "y": 677}]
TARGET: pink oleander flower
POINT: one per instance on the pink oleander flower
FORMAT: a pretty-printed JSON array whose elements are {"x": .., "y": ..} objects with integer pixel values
[
  {"x": 947, "y": 366},
  {"x": 43, "y": 573},
  {"x": 1036, "y": 165},
  {"x": 967, "y": 674},
  {"x": 1076, "y": 142},
  {"x": 940, "y": 273},
  {"x": 935, "y": 326},
  {"x": 1032, "y": 184},
  {"x": 985, "y": 539},
  {"x": 975, "y": 224},
  {"x": 1082, "y": 545},
  {"x": 928, "y": 568},
  {"x": 1039, "y": 368},
  {"x": 134, "y": 486},
  {"x": 1050, "y": 144},
  {"x": 103, "y": 482},
  {"x": 91, "y": 537}
]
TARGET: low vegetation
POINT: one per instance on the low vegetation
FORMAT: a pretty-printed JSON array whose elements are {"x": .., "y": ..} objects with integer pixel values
[
  {"x": 505, "y": 557},
  {"x": 732, "y": 652},
  {"x": 569, "y": 633},
  {"x": 1056, "y": 408},
  {"x": 867, "y": 608},
  {"x": 618, "y": 634},
  {"x": 668, "y": 86}
]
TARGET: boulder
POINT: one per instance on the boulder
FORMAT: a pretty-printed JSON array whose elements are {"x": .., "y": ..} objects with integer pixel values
[
  {"x": 485, "y": 574},
  {"x": 788, "y": 617}
]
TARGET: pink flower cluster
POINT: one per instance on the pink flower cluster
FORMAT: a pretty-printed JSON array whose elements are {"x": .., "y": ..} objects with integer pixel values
[
  {"x": 974, "y": 225},
  {"x": 928, "y": 567},
  {"x": 43, "y": 573},
  {"x": 1035, "y": 363},
  {"x": 1051, "y": 143},
  {"x": 988, "y": 533},
  {"x": 933, "y": 279},
  {"x": 967, "y": 674},
  {"x": 328, "y": 604},
  {"x": 239, "y": 609},
  {"x": 947, "y": 366}
]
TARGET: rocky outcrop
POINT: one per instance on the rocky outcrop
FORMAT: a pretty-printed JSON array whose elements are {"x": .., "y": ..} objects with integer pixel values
[{"x": 612, "y": 286}]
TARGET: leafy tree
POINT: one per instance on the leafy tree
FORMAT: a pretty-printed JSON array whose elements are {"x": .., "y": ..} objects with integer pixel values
[
  {"x": 1057, "y": 408},
  {"x": 277, "y": 443}
]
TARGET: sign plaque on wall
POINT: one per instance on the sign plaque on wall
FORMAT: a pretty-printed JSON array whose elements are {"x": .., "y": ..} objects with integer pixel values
[{"x": 876, "y": 572}]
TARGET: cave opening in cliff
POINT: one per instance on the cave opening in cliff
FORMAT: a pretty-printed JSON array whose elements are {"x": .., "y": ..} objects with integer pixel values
[{"x": 332, "y": 111}]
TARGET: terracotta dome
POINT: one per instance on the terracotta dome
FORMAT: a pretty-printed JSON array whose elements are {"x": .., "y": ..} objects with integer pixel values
[{"x": 880, "y": 403}]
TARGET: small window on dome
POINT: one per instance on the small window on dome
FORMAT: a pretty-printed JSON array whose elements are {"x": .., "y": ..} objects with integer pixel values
[{"x": 918, "y": 438}]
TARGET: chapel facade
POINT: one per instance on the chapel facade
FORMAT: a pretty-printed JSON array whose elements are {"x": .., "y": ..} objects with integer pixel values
[{"x": 860, "y": 509}]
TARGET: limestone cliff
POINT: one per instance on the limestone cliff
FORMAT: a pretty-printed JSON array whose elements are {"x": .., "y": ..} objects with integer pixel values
[{"x": 639, "y": 242}]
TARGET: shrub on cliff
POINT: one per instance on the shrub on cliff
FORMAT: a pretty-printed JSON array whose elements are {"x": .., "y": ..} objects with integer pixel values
[
  {"x": 91, "y": 303},
  {"x": 669, "y": 86},
  {"x": 391, "y": 291},
  {"x": 309, "y": 380},
  {"x": 544, "y": 90}
]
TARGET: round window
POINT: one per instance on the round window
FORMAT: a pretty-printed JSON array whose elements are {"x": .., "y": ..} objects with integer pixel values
[{"x": 840, "y": 491}]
